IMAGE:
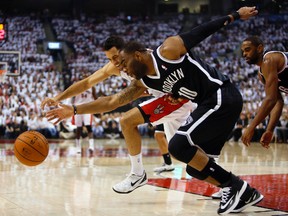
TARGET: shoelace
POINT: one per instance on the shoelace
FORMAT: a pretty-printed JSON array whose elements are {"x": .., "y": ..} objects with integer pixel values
[{"x": 225, "y": 194}]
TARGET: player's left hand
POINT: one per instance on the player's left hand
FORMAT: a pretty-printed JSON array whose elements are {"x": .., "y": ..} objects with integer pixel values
[
  {"x": 247, "y": 12},
  {"x": 266, "y": 139},
  {"x": 62, "y": 112}
]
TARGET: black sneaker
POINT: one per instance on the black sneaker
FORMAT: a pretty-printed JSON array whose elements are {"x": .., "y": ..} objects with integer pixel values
[
  {"x": 231, "y": 196},
  {"x": 255, "y": 198}
]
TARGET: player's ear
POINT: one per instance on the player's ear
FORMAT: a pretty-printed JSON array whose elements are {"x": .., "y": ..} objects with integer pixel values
[
  {"x": 138, "y": 55},
  {"x": 260, "y": 48}
]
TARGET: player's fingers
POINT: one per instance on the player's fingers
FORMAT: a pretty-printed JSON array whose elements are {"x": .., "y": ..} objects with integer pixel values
[
  {"x": 245, "y": 142},
  {"x": 58, "y": 120},
  {"x": 265, "y": 144}
]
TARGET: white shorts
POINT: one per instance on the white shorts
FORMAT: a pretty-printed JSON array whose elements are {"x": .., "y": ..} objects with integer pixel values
[
  {"x": 83, "y": 119},
  {"x": 160, "y": 111}
]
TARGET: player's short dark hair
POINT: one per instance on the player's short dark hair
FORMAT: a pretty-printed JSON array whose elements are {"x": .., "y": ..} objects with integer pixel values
[
  {"x": 134, "y": 46},
  {"x": 113, "y": 41},
  {"x": 255, "y": 40}
]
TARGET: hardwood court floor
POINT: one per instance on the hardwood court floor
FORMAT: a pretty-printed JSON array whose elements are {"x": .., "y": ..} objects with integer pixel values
[{"x": 70, "y": 184}]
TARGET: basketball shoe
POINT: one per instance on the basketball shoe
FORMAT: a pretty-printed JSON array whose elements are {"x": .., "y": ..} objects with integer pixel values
[
  {"x": 255, "y": 198},
  {"x": 164, "y": 168},
  {"x": 130, "y": 183},
  {"x": 231, "y": 196}
]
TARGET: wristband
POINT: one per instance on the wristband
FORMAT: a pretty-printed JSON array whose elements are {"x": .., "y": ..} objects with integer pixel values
[
  {"x": 74, "y": 109},
  {"x": 235, "y": 15}
]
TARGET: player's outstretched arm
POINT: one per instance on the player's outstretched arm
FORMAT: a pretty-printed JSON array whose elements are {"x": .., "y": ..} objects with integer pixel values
[
  {"x": 98, "y": 76},
  {"x": 176, "y": 46},
  {"x": 102, "y": 104}
]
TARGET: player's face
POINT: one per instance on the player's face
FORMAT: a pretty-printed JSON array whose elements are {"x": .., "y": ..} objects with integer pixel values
[
  {"x": 133, "y": 66},
  {"x": 250, "y": 52},
  {"x": 113, "y": 56}
]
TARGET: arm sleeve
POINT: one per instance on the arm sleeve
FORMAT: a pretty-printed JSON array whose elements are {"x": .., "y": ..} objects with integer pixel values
[{"x": 199, "y": 33}]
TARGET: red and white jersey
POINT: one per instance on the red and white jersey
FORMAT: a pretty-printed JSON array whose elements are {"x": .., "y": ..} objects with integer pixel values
[{"x": 84, "y": 97}]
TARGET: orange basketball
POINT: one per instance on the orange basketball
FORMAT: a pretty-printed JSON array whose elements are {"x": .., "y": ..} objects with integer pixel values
[{"x": 31, "y": 148}]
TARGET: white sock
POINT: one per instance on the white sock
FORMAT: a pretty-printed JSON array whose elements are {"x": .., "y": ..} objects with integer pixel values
[
  {"x": 91, "y": 143},
  {"x": 78, "y": 144},
  {"x": 136, "y": 164}
]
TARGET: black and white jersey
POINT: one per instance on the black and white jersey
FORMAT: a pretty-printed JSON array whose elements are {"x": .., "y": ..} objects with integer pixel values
[
  {"x": 188, "y": 77},
  {"x": 282, "y": 74}
]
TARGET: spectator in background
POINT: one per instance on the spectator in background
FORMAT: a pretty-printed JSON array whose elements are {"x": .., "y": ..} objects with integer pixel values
[{"x": 67, "y": 130}]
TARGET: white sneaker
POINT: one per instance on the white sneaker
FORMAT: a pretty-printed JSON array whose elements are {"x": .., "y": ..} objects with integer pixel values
[
  {"x": 217, "y": 195},
  {"x": 91, "y": 147},
  {"x": 130, "y": 183},
  {"x": 78, "y": 150},
  {"x": 164, "y": 168}
]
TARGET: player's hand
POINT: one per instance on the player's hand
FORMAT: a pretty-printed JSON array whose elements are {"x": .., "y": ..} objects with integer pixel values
[
  {"x": 171, "y": 100},
  {"x": 266, "y": 139},
  {"x": 58, "y": 114},
  {"x": 247, "y": 136},
  {"x": 49, "y": 102},
  {"x": 247, "y": 12}
]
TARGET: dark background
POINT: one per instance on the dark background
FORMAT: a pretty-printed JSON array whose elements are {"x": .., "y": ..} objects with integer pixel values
[{"x": 134, "y": 7}]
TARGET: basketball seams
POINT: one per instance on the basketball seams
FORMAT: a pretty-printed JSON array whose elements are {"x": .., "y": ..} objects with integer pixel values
[
  {"x": 31, "y": 146},
  {"x": 38, "y": 161},
  {"x": 42, "y": 138}
]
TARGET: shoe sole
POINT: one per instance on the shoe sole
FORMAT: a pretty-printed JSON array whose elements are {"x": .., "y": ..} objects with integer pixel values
[
  {"x": 249, "y": 204},
  {"x": 242, "y": 190},
  {"x": 126, "y": 192},
  {"x": 166, "y": 170}
]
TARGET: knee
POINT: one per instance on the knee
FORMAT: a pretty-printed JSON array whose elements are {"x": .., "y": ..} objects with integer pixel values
[
  {"x": 181, "y": 149},
  {"x": 126, "y": 123}
]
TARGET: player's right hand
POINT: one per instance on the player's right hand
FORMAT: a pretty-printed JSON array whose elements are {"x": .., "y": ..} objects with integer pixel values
[
  {"x": 49, "y": 102},
  {"x": 247, "y": 136}
]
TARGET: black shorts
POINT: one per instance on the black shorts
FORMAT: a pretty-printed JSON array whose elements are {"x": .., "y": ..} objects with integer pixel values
[
  {"x": 159, "y": 128},
  {"x": 213, "y": 120}
]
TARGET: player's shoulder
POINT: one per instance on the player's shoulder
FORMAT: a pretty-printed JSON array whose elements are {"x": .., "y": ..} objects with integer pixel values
[
  {"x": 273, "y": 55},
  {"x": 172, "y": 48}
]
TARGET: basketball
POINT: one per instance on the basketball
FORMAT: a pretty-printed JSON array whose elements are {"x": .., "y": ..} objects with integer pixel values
[{"x": 31, "y": 148}]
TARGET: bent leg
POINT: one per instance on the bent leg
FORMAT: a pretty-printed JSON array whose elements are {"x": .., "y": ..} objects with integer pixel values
[{"x": 162, "y": 142}]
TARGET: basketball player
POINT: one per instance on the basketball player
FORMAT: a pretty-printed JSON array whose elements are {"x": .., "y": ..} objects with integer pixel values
[
  {"x": 156, "y": 111},
  {"x": 172, "y": 68},
  {"x": 273, "y": 72},
  {"x": 84, "y": 120}
]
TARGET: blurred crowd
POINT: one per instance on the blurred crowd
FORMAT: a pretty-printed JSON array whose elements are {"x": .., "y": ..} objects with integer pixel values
[{"x": 20, "y": 96}]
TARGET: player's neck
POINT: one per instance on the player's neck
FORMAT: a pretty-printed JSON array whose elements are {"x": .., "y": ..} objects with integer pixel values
[{"x": 150, "y": 65}]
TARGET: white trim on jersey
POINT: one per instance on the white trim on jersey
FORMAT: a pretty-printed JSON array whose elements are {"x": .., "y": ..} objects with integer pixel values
[
  {"x": 200, "y": 120},
  {"x": 285, "y": 59},
  {"x": 177, "y": 61},
  {"x": 203, "y": 70}
]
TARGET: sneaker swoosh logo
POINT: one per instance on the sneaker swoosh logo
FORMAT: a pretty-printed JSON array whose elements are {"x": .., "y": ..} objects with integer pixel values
[
  {"x": 229, "y": 201},
  {"x": 133, "y": 183},
  {"x": 251, "y": 198}
]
